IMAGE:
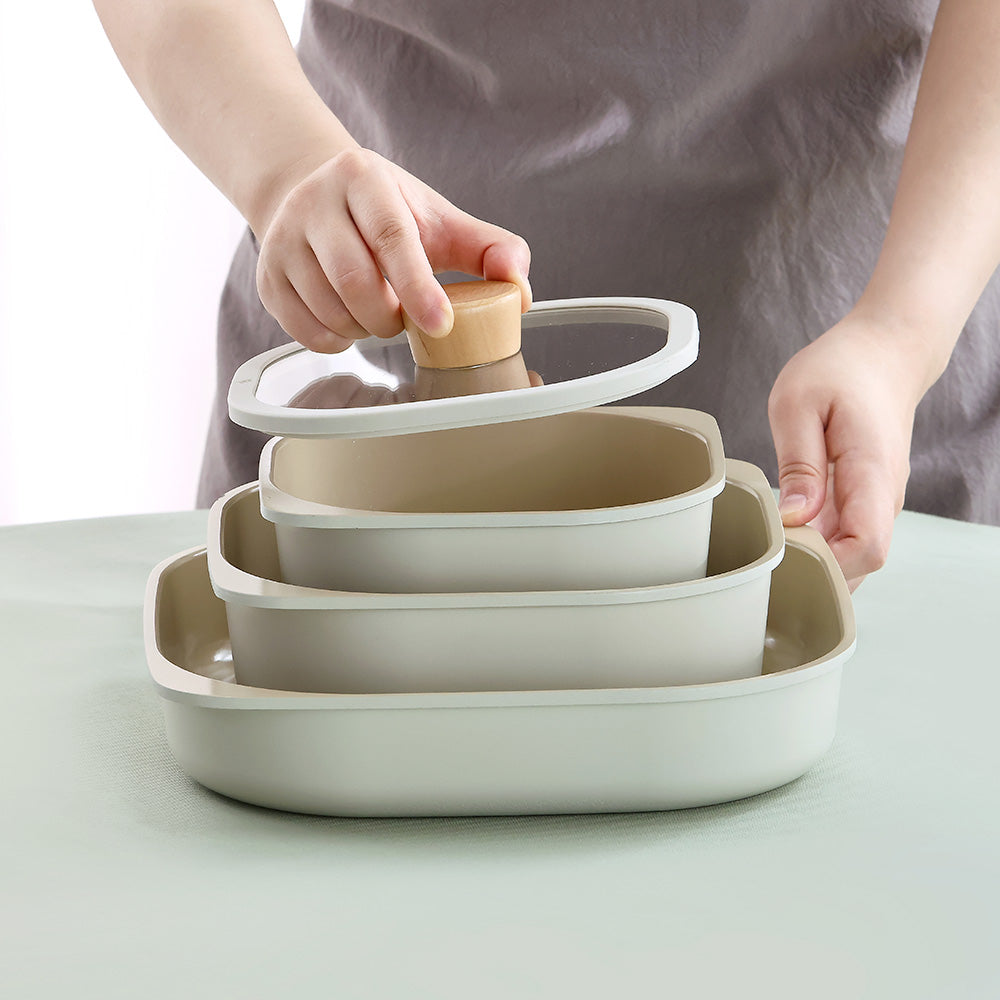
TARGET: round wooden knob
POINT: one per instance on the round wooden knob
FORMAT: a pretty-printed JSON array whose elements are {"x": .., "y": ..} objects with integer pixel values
[{"x": 487, "y": 327}]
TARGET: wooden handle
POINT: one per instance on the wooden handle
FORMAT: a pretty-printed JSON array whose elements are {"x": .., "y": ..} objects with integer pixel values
[{"x": 487, "y": 327}]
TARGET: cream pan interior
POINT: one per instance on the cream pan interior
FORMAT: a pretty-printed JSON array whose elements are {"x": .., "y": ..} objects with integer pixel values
[{"x": 572, "y": 467}]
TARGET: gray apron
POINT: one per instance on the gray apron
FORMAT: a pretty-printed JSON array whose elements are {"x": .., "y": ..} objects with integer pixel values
[{"x": 738, "y": 157}]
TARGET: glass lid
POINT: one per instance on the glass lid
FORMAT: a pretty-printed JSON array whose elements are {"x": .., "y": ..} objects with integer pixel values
[{"x": 574, "y": 353}]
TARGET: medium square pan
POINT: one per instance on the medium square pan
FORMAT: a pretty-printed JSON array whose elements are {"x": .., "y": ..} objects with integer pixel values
[
  {"x": 503, "y": 752},
  {"x": 300, "y": 639},
  {"x": 593, "y": 500}
]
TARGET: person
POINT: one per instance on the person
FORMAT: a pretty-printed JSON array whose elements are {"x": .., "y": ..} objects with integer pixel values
[{"x": 754, "y": 160}]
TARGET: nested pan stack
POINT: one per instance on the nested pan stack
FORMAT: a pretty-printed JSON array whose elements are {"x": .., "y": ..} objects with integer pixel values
[{"x": 604, "y": 575}]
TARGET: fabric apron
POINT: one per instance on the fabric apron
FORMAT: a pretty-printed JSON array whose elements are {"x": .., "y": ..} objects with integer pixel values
[{"x": 740, "y": 157}]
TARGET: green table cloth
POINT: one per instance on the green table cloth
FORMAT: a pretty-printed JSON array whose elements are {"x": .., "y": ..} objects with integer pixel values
[{"x": 875, "y": 875}]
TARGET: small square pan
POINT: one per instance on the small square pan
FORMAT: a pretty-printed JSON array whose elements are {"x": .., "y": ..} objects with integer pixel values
[{"x": 593, "y": 500}]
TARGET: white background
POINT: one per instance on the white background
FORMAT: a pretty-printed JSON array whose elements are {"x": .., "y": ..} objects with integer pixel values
[{"x": 113, "y": 251}]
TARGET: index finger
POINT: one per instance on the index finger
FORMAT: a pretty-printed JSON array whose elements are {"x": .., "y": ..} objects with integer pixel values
[
  {"x": 865, "y": 499},
  {"x": 387, "y": 225}
]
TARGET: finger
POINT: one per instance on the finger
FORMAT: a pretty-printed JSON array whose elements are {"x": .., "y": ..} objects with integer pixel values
[
  {"x": 350, "y": 270},
  {"x": 800, "y": 446},
  {"x": 297, "y": 320},
  {"x": 314, "y": 289},
  {"x": 866, "y": 500},
  {"x": 492, "y": 252},
  {"x": 387, "y": 226},
  {"x": 460, "y": 242}
]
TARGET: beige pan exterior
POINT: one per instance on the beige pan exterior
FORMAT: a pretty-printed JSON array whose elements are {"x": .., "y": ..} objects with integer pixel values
[
  {"x": 303, "y": 639},
  {"x": 568, "y": 751},
  {"x": 593, "y": 500}
]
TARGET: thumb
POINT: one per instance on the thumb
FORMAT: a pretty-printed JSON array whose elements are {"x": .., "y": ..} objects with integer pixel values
[{"x": 800, "y": 445}]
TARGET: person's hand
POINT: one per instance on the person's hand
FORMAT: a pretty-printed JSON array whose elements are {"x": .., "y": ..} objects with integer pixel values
[
  {"x": 841, "y": 414},
  {"x": 356, "y": 238}
]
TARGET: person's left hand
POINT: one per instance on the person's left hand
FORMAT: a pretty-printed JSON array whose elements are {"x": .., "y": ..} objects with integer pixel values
[{"x": 841, "y": 414}]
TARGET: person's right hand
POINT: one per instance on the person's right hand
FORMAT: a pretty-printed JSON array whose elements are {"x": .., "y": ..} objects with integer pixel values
[{"x": 359, "y": 237}]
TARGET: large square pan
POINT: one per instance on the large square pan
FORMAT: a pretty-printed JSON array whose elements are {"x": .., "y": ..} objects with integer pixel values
[
  {"x": 503, "y": 752},
  {"x": 592, "y": 500},
  {"x": 301, "y": 639}
]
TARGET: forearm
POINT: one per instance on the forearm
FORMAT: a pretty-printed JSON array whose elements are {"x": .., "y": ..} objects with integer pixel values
[
  {"x": 223, "y": 80},
  {"x": 943, "y": 240}
]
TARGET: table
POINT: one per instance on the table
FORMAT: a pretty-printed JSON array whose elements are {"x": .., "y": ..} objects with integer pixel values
[{"x": 875, "y": 875}]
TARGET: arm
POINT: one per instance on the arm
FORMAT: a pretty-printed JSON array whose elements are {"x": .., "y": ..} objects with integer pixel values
[
  {"x": 842, "y": 409},
  {"x": 223, "y": 80}
]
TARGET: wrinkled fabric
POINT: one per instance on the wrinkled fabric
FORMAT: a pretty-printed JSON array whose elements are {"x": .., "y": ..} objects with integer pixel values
[{"x": 738, "y": 157}]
